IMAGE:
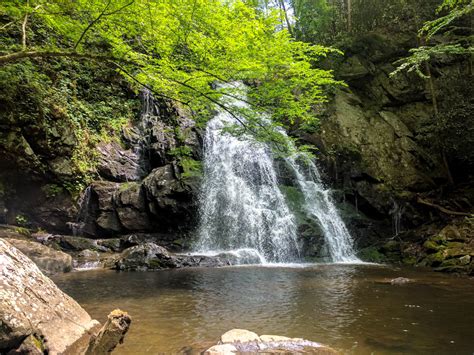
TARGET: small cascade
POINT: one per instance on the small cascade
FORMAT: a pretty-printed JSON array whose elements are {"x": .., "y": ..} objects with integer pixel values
[
  {"x": 78, "y": 226},
  {"x": 243, "y": 209},
  {"x": 319, "y": 206},
  {"x": 397, "y": 213},
  {"x": 148, "y": 118}
]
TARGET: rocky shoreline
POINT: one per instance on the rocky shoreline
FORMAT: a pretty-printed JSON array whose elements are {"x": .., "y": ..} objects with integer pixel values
[
  {"x": 38, "y": 318},
  {"x": 447, "y": 249}
]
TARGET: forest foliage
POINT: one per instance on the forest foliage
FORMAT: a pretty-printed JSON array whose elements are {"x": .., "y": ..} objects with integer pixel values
[{"x": 179, "y": 50}]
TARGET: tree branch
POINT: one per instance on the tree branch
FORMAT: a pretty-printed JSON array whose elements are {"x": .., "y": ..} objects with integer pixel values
[
  {"x": 16, "y": 56},
  {"x": 442, "y": 209},
  {"x": 97, "y": 19},
  {"x": 92, "y": 23},
  {"x": 6, "y": 25},
  {"x": 123, "y": 70}
]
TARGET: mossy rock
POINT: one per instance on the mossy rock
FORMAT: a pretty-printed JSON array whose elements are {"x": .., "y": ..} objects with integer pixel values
[
  {"x": 410, "y": 260},
  {"x": 459, "y": 249},
  {"x": 372, "y": 254},
  {"x": 452, "y": 232},
  {"x": 391, "y": 246},
  {"x": 432, "y": 246},
  {"x": 435, "y": 259}
]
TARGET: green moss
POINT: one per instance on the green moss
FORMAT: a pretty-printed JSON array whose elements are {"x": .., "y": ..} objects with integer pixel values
[
  {"x": 391, "y": 246},
  {"x": 372, "y": 254},
  {"x": 23, "y": 231},
  {"x": 52, "y": 190},
  {"x": 435, "y": 259},
  {"x": 191, "y": 167},
  {"x": 432, "y": 245},
  {"x": 409, "y": 260},
  {"x": 295, "y": 199},
  {"x": 155, "y": 264}
]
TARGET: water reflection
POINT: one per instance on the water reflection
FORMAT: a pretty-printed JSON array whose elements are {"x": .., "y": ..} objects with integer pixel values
[{"x": 351, "y": 307}]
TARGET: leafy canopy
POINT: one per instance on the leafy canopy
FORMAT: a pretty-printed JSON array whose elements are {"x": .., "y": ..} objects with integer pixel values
[
  {"x": 180, "y": 48},
  {"x": 423, "y": 55}
]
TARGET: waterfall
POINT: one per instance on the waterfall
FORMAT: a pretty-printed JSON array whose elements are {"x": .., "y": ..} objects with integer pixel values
[
  {"x": 319, "y": 206},
  {"x": 242, "y": 208},
  {"x": 241, "y": 205}
]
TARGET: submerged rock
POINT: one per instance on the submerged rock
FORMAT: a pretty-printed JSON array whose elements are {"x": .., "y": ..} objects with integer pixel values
[
  {"x": 32, "y": 305},
  {"x": 242, "y": 341},
  {"x": 400, "y": 281}
]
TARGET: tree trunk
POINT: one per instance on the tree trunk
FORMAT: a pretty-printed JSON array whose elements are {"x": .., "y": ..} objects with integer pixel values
[
  {"x": 349, "y": 16},
  {"x": 285, "y": 13},
  {"x": 111, "y": 334},
  {"x": 439, "y": 124}
]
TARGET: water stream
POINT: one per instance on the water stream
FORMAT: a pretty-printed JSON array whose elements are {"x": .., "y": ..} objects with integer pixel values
[{"x": 242, "y": 208}]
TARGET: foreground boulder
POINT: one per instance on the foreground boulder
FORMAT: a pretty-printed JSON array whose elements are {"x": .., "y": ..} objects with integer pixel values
[
  {"x": 49, "y": 261},
  {"x": 33, "y": 306},
  {"x": 241, "y": 341}
]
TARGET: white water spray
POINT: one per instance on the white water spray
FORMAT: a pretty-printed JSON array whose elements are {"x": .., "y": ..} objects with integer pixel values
[{"x": 242, "y": 208}]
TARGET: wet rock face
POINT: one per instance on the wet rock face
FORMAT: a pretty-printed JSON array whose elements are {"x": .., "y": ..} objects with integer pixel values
[
  {"x": 380, "y": 140},
  {"x": 34, "y": 173},
  {"x": 33, "y": 305},
  {"x": 384, "y": 154}
]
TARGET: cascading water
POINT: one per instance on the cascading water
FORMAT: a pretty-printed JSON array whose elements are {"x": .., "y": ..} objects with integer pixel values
[
  {"x": 318, "y": 205},
  {"x": 242, "y": 209}
]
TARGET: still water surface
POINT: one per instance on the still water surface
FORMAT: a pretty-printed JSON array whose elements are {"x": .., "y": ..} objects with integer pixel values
[{"x": 350, "y": 307}]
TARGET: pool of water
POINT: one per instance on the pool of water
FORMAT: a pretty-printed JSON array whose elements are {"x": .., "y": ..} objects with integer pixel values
[{"x": 353, "y": 308}]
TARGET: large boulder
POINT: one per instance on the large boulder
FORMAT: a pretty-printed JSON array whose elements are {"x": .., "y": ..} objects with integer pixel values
[
  {"x": 131, "y": 207},
  {"x": 33, "y": 305},
  {"x": 118, "y": 164},
  {"x": 49, "y": 261},
  {"x": 98, "y": 216},
  {"x": 170, "y": 200},
  {"x": 150, "y": 256}
]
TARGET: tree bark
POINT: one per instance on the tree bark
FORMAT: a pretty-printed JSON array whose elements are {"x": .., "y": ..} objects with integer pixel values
[
  {"x": 23, "y": 27},
  {"x": 349, "y": 16},
  {"x": 439, "y": 123},
  {"x": 285, "y": 13}
]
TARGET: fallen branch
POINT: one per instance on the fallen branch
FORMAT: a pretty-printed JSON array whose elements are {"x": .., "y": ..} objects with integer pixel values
[{"x": 442, "y": 209}]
